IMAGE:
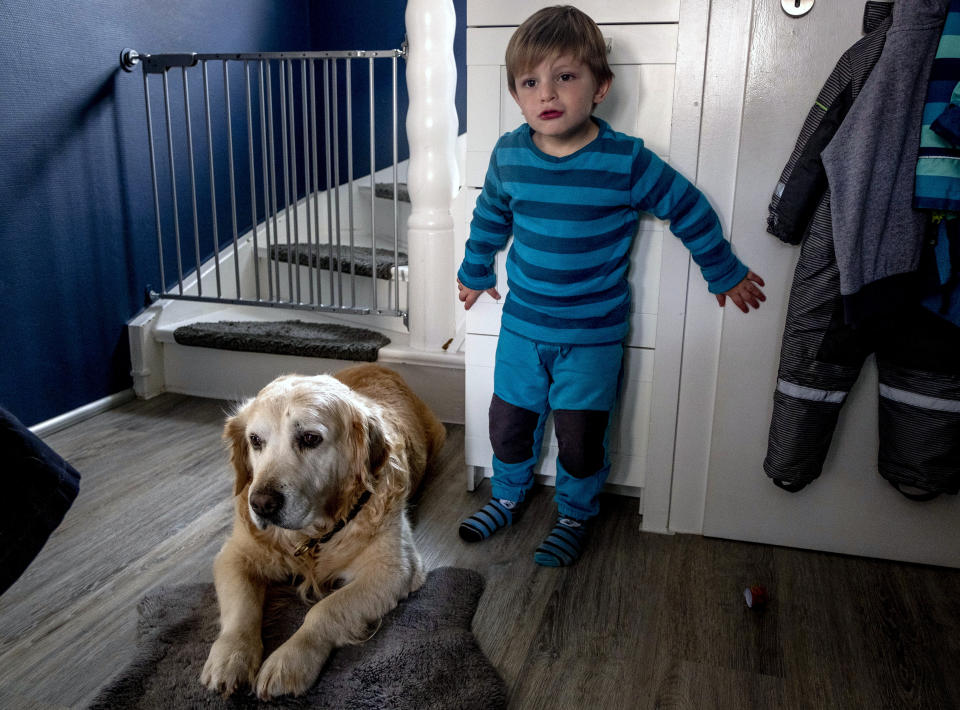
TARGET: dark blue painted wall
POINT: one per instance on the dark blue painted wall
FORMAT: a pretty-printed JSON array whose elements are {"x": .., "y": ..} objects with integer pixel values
[{"x": 77, "y": 232}]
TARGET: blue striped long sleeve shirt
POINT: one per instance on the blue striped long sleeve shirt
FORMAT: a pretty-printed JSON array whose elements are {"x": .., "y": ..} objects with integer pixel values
[{"x": 573, "y": 221}]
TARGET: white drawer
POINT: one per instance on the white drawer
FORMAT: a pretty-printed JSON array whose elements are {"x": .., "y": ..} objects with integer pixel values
[{"x": 513, "y": 12}]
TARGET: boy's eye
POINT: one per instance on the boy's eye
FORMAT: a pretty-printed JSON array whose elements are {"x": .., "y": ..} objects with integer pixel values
[
  {"x": 566, "y": 77},
  {"x": 529, "y": 83}
]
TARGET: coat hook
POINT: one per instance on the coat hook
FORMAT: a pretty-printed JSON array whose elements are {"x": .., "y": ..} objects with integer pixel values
[{"x": 796, "y": 8}]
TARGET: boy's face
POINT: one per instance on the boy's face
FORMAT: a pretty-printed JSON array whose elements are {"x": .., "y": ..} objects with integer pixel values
[{"x": 557, "y": 98}]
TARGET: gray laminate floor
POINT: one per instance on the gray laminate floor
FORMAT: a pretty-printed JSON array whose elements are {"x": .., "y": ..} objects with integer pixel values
[{"x": 642, "y": 621}]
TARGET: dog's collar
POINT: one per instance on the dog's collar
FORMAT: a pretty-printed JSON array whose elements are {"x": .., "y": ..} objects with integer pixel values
[{"x": 315, "y": 542}]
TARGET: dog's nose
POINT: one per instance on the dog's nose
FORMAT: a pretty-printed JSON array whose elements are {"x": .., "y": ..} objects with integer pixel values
[{"x": 266, "y": 503}]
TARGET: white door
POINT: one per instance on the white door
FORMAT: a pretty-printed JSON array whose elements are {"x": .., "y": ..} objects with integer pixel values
[{"x": 850, "y": 508}]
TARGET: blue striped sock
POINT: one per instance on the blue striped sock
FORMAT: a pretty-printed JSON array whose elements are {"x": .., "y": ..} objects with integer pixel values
[
  {"x": 563, "y": 545},
  {"x": 486, "y": 521}
]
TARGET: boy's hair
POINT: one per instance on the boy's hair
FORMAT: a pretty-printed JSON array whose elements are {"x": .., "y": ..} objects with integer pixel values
[{"x": 557, "y": 30}]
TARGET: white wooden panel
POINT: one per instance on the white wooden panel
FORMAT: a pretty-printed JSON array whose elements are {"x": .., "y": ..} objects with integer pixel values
[
  {"x": 633, "y": 412},
  {"x": 640, "y": 44},
  {"x": 481, "y": 351},
  {"x": 478, "y": 385},
  {"x": 675, "y": 268},
  {"x": 487, "y": 45},
  {"x": 513, "y": 12},
  {"x": 483, "y": 107},
  {"x": 725, "y": 72},
  {"x": 484, "y": 317},
  {"x": 643, "y": 331},
  {"x": 476, "y": 168},
  {"x": 645, "y": 270},
  {"x": 478, "y": 452},
  {"x": 653, "y": 106},
  {"x": 510, "y": 115},
  {"x": 628, "y": 471}
]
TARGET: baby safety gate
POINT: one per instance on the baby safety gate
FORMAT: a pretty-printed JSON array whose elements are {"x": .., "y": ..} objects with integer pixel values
[{"x": 287, "y": 221}]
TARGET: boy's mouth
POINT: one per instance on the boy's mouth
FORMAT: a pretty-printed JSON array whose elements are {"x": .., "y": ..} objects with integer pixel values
[{"x": 547, "y": 115}]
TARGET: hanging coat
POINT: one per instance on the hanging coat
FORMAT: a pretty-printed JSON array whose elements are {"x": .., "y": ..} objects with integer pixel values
[{"x": 822, "y": 353}]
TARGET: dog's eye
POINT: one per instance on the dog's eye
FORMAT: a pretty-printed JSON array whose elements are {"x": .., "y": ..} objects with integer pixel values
[
  {"x": 310, "y": 439},
  {"x": 256, "y": 442}
]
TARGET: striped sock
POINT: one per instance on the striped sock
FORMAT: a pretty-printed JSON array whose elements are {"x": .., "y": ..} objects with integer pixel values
[
  {"x": 498, "y": 513},
  {"x": 563, "y": 545}
]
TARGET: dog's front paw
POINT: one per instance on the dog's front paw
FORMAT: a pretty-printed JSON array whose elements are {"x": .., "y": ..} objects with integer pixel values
[
  {"x": 231, "y": 663},
  {"x": 291, "y": 669}
]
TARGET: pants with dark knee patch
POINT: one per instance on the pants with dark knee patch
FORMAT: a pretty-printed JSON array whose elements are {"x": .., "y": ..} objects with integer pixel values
[
  {"x": 579, "y": 384},
  {"x": 918, "y": 360}
]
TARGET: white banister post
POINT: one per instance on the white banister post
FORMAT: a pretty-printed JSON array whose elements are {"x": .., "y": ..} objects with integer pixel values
[{"x": 433, "y": 178}]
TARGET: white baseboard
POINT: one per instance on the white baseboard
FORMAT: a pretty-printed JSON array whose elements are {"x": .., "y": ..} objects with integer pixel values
[{"x": 80, "y": 413}]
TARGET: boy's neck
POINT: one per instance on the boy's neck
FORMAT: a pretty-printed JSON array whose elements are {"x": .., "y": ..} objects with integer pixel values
[{"x": 562, "y": 146}]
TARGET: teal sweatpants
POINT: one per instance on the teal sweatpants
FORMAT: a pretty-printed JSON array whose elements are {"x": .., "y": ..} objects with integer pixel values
[{"x": 579, "y": 384}]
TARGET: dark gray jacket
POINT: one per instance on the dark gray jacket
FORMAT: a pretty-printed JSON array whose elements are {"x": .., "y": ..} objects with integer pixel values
[{"x": 871, "y": 161}]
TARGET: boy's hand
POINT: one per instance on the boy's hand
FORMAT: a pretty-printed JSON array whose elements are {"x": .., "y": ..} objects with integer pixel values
[
  {"x": 745, "y": 294},
  {"x": 469, "y": 296}
]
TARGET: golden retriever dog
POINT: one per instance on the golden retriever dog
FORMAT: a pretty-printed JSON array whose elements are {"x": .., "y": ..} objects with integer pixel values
[{"x": 324, "y": 466}]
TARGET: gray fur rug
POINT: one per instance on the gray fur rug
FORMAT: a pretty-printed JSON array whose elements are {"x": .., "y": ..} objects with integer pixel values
[
  {"x": 290, "y": 337},
  {"x": 423, "y": 656}
]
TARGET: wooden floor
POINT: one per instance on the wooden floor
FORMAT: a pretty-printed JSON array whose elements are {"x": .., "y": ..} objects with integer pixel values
[{"x": 642, "y": 621}]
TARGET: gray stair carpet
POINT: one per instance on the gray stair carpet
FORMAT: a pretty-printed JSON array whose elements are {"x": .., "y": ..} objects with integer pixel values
[
  {"x": 385, "y": 190},
  {"x": 291, "y": 337},
  {"x": 358, "y": 260}
]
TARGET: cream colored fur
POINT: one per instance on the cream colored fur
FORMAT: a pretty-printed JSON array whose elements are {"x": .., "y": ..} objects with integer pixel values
[{"x": 374, "y": 434}]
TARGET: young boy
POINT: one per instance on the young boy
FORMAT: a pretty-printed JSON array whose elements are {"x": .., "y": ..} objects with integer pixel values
[{"x": 569, "y": 189}]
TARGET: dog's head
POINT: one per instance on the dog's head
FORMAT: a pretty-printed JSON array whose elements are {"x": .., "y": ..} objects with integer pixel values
[{"x": 307, "y": 447}]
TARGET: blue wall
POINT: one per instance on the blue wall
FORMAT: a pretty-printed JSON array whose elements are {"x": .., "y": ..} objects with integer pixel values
[{"x": 77, "y": 232}]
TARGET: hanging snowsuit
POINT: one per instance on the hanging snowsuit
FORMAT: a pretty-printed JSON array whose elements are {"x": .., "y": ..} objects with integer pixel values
[{"x": 854, "y": 287}]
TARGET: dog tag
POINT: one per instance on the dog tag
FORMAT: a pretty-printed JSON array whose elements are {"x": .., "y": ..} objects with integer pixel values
[{"x": 796, "y": 8}]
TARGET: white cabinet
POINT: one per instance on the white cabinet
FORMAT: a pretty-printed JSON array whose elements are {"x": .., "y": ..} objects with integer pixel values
[{"x": 648, "y": 100}]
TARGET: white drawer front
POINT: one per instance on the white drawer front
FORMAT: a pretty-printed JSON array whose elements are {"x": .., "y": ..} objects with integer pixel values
[{"x": 513, "y": 12}]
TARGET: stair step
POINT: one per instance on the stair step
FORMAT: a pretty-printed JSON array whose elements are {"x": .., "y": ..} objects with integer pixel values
[
  {"x": 291, "y": 337},
  {"x": 385, "y": 189},
  {"x": 359, "y": 263}
]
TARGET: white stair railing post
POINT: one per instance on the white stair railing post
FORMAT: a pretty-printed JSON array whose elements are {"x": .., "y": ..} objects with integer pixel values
[{"x": 433, "y": 178}]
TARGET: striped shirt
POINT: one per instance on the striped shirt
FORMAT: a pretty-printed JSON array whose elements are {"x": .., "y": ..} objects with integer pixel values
[
  {"x": 938, "y": 165},
  {"x": 573, "y": 221}
]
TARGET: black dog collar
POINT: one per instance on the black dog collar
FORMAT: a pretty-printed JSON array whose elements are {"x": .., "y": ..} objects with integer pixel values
[{"x": 314, "y": 542}]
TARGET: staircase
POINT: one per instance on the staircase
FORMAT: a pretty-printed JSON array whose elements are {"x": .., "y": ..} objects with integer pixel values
[{"x": 164, "y": 362}]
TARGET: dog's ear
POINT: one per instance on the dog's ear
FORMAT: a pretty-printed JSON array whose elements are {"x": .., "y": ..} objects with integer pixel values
[
  {"x": 235, "y": 435},
  {"x": 376, "y": 444},
  {"x": 370, "y": 446}
]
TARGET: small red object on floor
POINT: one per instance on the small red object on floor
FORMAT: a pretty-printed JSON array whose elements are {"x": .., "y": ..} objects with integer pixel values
[{"x": 756, "y": 596}]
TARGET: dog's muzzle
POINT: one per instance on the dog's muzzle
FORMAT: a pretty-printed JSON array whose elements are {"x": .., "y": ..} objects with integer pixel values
[{"x": 267, "y": 504}]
